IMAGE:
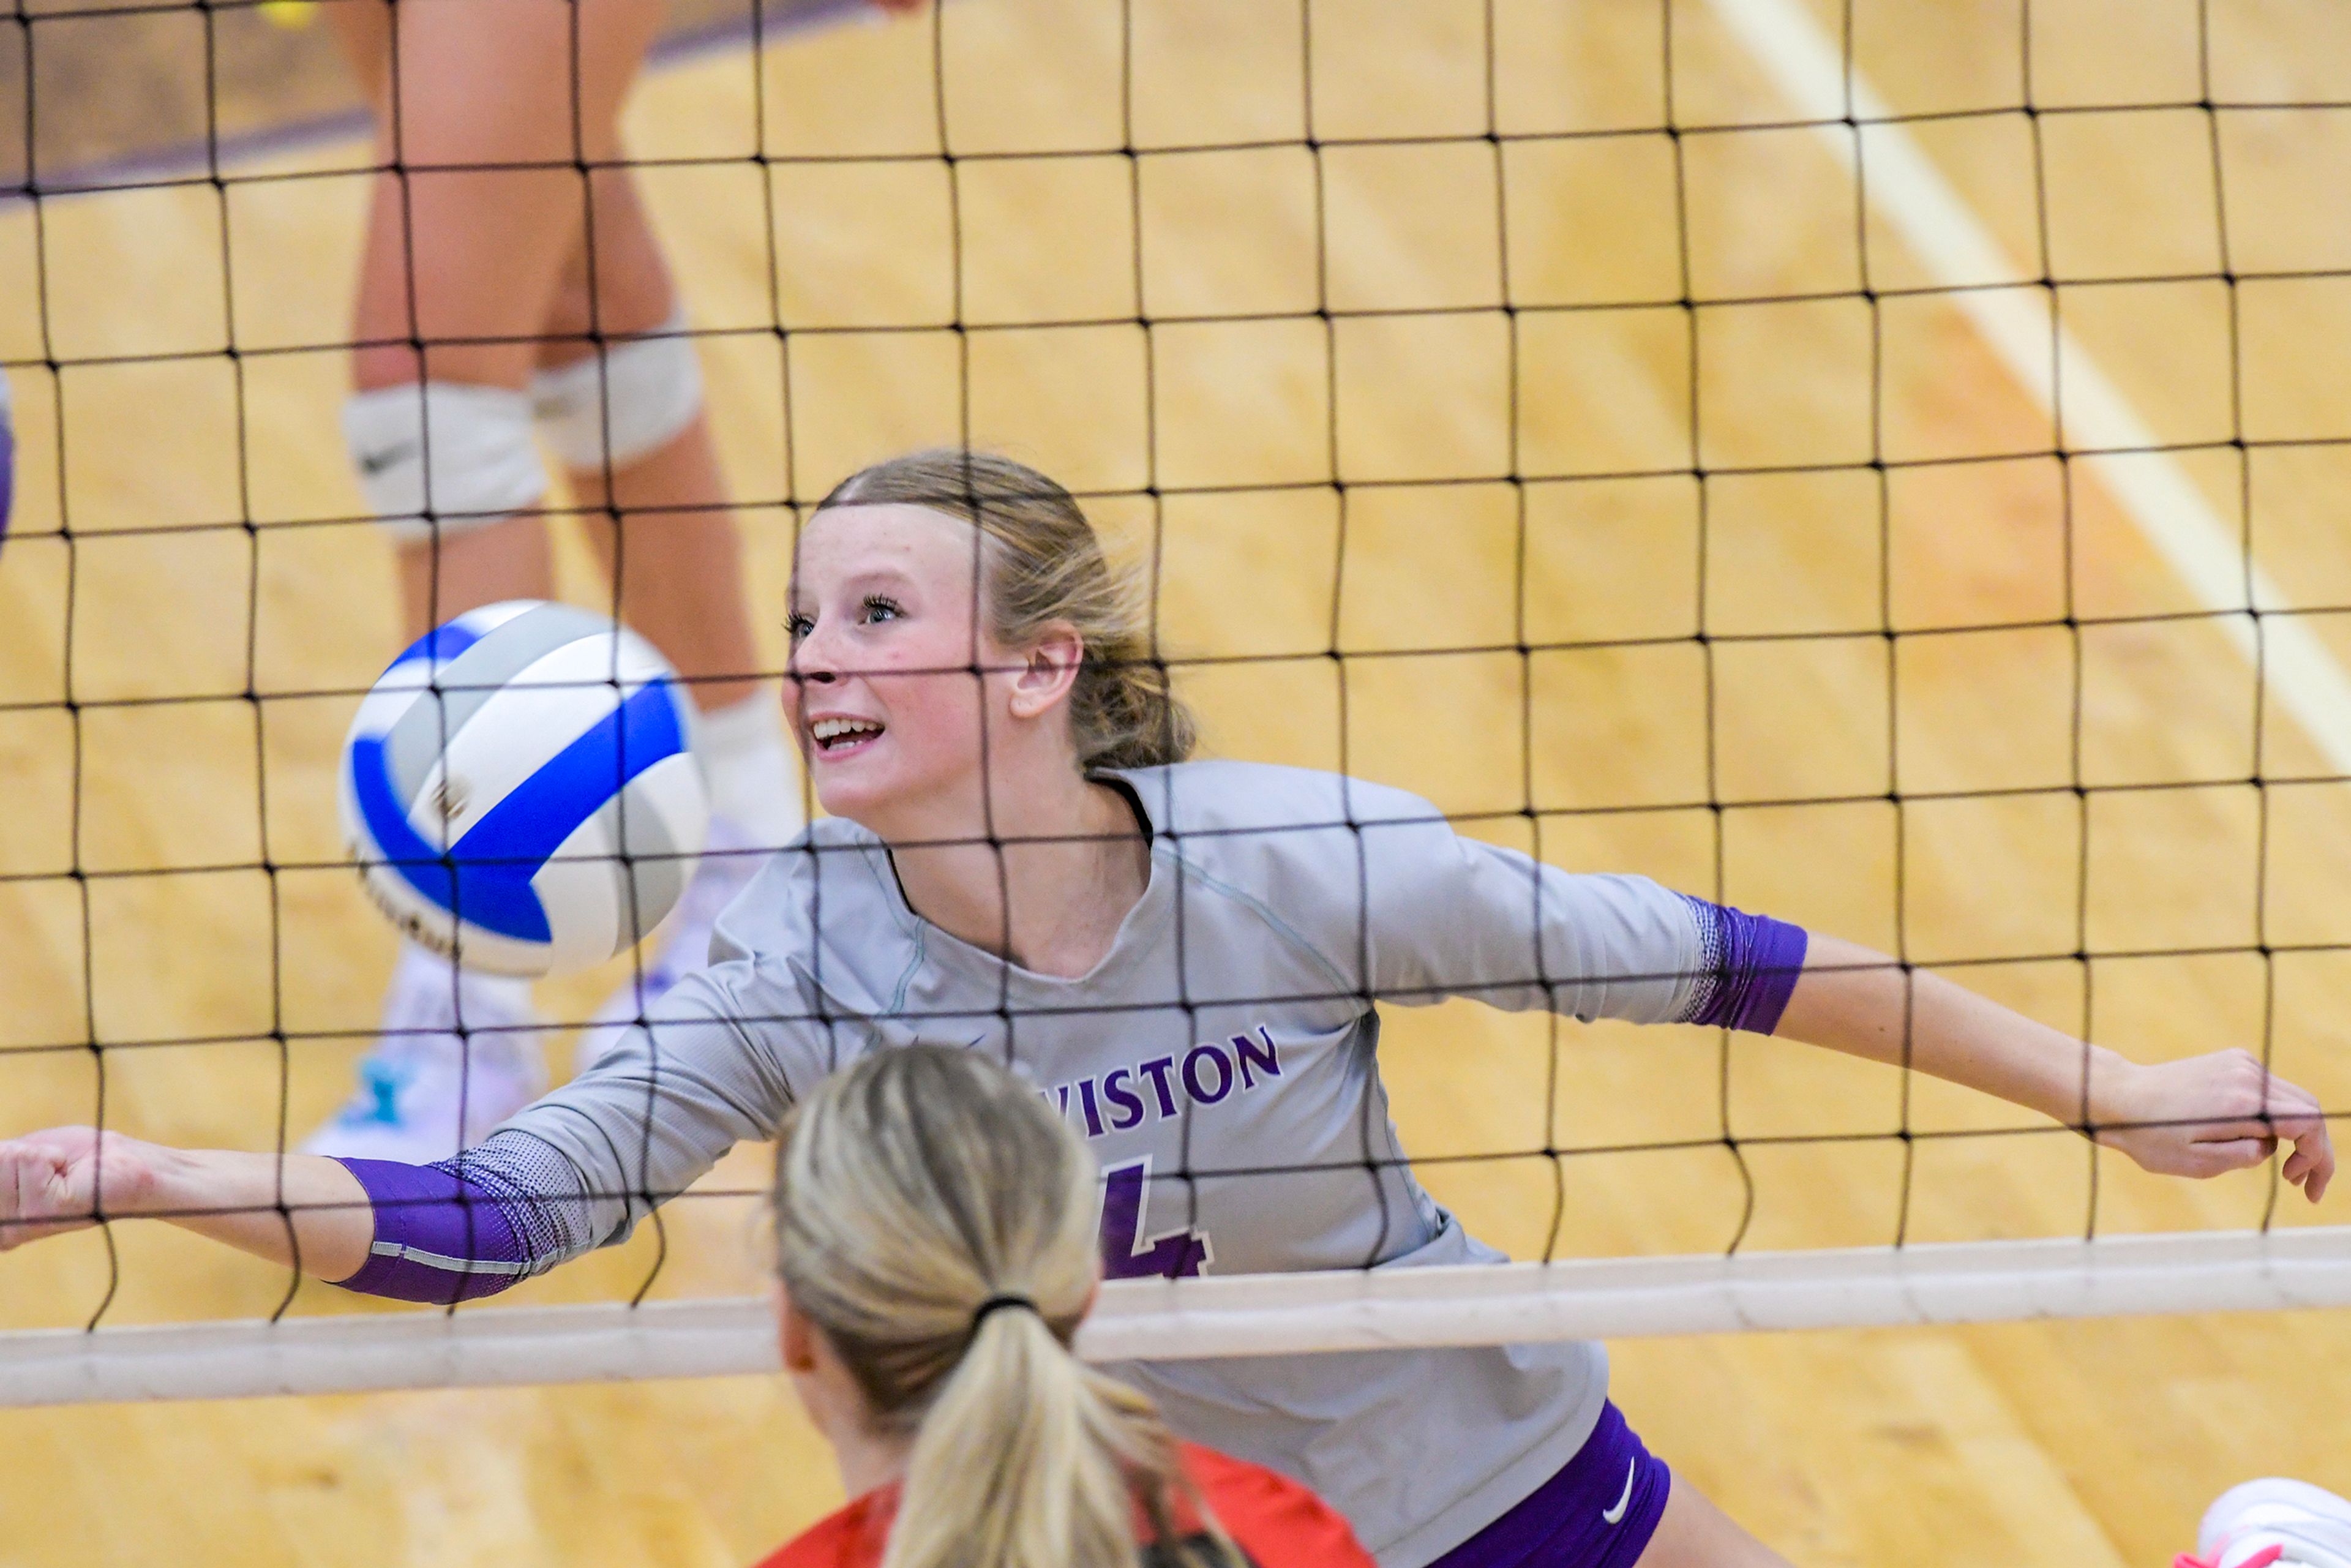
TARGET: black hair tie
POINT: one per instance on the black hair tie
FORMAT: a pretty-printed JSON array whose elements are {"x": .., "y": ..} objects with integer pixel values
[{"x": 998, "y": 1304}]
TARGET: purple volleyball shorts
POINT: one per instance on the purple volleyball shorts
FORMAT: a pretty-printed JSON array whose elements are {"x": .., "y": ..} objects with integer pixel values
[{"x": 1598, "y": 1511}]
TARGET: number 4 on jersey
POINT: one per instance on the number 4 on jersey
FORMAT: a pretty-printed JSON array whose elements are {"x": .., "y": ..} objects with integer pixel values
[{"x": 1127, "y": 1254}]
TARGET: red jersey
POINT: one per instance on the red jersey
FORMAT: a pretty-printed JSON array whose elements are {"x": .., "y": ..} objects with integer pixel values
[{"x": 1278, "y": 1523}]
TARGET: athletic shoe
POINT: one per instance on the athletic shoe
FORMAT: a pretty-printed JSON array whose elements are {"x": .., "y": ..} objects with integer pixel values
[
  {"x": 2275, "y": 1521},
  {"x": 453, "y": 1048},
  {"x": 680, "y": 945}
]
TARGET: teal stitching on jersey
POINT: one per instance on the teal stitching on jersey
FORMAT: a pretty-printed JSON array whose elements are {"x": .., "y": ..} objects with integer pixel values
[
  {"x": 1269, "y": 916},
  {"x": 914, "y": 925},
  {"x": 898, "y": 997},
  {"x": 1184, "y": 867},
  {"x": 894, "y": 897}
]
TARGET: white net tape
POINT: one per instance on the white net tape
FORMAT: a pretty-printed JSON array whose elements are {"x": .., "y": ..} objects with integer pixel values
[{"x": 1248, "y": 1315}]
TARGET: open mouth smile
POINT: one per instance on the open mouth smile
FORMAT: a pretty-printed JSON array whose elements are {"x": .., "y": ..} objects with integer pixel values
[{"x": 839, "y": 737}]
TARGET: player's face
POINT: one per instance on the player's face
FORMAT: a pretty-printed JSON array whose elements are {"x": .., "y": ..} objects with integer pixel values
[{"x": 883, "y": 691}]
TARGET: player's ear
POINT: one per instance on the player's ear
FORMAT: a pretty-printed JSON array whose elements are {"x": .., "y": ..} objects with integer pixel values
[
  {"x": 1049, "y": 668},
  {"x": 795, "y": 1335}
]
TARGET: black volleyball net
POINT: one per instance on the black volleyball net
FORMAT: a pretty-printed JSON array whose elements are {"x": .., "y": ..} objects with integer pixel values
[{"x": 1866, "y": 463}]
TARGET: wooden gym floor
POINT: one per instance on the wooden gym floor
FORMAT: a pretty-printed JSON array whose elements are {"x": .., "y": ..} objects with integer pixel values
[{"x": 2063, "y": 1443}]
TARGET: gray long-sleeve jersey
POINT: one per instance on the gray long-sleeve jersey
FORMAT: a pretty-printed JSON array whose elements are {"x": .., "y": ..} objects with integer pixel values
[{"x": 1221, "y": 1061}]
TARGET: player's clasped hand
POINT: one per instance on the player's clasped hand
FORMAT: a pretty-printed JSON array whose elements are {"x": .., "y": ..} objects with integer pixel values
[
  {"x": 49, "y": 1181},
  {"x": 2213, "y": 1114}
]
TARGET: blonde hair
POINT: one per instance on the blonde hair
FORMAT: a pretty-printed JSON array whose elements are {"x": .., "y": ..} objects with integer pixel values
[
  {"x": 1045, "y": 564},
  {"x": 913, "y": 1189}
]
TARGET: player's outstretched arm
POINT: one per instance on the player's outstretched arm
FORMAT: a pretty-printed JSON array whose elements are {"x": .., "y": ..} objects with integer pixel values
[
  {"x": 2198, "y": 1117},
  {"x": 280, "y": 1207}
]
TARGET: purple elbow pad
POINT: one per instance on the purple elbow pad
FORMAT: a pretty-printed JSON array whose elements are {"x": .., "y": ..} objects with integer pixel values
[
  {"x": 439, "y": 1237},
  {"x": 1752, "y": 962}
]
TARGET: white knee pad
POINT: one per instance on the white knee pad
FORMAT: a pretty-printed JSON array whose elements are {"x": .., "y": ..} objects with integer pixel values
[
  {"x": 444, "y": 457},
  {"x": 640, "y": 391}
]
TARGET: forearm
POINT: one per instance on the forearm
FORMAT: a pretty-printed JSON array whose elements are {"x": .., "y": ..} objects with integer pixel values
[
  {"x": 2198, "y": 1116},
  {"x": 1863, "y": 1003},
  {"x": 415, "y": 1233},
  {"x": 295, "y": 1209}
]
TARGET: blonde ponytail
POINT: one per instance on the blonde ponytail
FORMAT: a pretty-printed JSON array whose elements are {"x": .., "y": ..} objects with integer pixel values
[
  {"x": 1045, "y": 565},
  {"x": 936, "y": 1221}
]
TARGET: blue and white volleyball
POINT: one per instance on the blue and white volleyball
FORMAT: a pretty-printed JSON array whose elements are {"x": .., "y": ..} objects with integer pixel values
[{"x": 520, "y": 789}]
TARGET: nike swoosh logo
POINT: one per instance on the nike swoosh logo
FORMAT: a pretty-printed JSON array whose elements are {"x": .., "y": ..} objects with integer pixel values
[
  {"x": 1613, "y": 1515},
  {"x": 377, "y": 461}
]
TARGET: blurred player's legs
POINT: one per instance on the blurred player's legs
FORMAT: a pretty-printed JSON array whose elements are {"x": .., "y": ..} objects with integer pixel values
[
  {"x": 2273, "y": 1523},
  {"x": 474, "y": 320},
  {"x": 664, "y": 536}
]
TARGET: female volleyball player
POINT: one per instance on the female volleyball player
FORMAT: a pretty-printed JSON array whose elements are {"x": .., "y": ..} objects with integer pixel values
[
  {"x": 510, "y": 288},
  {"x": 935, "y": 1237},
  {"x": 1184, "y": 958}
]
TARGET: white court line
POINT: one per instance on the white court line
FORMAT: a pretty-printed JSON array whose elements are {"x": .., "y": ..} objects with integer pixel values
[
  {"x": 1158, "y": 1319},
  {"x": 1937, "y": 223}
]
